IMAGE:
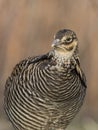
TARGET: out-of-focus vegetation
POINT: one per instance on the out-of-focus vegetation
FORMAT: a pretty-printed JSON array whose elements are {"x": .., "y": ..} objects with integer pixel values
[{"x": 27, "y": 28}]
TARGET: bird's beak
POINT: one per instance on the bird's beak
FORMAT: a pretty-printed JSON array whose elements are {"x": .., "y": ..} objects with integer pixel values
[{"x": 55, "y": 43}]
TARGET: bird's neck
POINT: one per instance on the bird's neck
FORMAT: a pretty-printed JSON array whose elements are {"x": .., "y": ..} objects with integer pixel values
[{"x": 64, "y": 60}]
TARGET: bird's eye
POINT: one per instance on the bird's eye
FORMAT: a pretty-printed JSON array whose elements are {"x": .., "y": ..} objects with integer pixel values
[{"x": 69, "y": 40}]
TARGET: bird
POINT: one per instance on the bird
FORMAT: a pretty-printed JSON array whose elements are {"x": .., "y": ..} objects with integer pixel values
[{"x": 46, "y": 92}]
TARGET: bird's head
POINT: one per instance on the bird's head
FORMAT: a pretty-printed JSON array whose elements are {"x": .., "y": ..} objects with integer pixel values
[{"x": 65, "y": 43}]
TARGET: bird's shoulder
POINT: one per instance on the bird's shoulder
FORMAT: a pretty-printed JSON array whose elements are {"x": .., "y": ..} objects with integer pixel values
[{"x": 19, "y": 67}]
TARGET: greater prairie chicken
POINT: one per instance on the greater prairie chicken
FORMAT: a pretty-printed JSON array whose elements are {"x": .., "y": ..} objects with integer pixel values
[{"x": 46, "y": 92}]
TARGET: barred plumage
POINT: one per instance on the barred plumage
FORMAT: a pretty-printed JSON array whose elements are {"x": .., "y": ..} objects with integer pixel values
[{"x": 46, "y": 92}]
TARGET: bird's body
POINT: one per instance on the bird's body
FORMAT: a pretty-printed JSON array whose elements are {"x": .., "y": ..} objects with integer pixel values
[{"x": 45, "y": 92}]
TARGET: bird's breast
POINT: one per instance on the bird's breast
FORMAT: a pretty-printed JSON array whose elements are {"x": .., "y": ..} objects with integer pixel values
[{"x": 58, "y": 85}]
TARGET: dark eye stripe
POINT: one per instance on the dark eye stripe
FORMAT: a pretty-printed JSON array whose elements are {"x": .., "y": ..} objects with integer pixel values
[{"x": 69, "y": 39}]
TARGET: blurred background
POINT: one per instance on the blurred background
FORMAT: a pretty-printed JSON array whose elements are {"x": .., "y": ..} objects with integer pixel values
[{"x": 27, "y": 28}]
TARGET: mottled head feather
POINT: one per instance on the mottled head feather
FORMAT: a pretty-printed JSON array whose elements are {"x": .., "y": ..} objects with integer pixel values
[{"x": 63, "y": 32}]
